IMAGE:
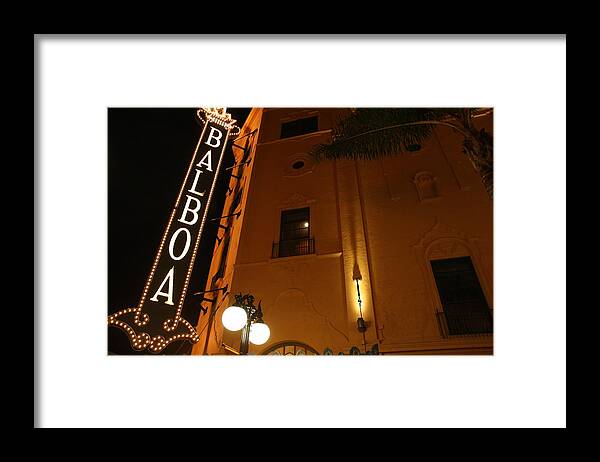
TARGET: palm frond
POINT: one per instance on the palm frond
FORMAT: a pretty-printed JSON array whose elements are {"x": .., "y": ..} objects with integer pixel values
[{"x": 369, "y": 133}]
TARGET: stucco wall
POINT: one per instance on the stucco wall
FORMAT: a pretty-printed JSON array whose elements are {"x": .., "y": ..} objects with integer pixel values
[{"x": 380, "y": 220}]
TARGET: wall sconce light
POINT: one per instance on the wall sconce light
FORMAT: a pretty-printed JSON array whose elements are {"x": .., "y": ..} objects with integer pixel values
[
  {"x": 361, "y": 325},
  {"x": 360, "y": 322}
]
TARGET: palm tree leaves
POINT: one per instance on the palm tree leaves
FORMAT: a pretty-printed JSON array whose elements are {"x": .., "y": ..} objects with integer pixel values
[{"x": 369, "y": 133}]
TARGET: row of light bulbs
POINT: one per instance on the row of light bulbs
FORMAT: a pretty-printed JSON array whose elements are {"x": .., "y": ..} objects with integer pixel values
[
  {"x": 166, "y": 233},
  {"x": 166, "y": 324},
  {"x": 142, "y": 341},
  {"x": 160, "y": 247}
]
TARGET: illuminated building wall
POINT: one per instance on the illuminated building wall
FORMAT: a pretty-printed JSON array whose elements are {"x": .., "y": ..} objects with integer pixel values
[{"x": 381, "y": 221}]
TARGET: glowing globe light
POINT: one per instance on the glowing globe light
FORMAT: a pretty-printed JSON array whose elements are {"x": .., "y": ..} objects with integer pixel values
[
  {"x": 259, "y": 333},
  {"x": 234, "y": 318}
]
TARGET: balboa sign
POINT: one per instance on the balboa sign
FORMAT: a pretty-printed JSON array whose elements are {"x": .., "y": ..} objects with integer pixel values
[{"x": 156, "y": 321}]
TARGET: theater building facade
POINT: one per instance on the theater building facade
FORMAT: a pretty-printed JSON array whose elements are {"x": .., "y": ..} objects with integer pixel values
[{"x": 410, "y": 236}]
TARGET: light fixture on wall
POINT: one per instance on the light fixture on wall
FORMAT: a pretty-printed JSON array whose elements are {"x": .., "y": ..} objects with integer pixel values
[
  {"x": 244, "y": 315},
  {"x": 361, "y": 325},
  {"x": 360, "y": 322}
]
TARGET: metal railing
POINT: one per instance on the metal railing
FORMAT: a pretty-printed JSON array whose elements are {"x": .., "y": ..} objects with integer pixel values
[
  {"x": 465, "y": 324},
  {"x": 293, "y": 247}
]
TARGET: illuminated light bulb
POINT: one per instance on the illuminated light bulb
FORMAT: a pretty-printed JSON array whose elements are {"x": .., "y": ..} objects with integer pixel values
[
  {"x": 234, "y": 318},
  {"x": 306, "y": 224},
  {"x": 259, "y": 333}
]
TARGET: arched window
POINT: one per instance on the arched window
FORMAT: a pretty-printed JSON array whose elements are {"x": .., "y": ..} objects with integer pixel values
[
  {"x": 465, "y": 309},
  {"x": 290, "y": 348}
]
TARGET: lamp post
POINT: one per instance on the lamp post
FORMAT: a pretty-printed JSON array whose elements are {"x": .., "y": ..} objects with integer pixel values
[{"x": 245, "y": 316}]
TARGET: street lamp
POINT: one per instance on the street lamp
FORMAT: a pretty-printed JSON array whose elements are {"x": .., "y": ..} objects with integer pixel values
[{"x": 244, "y": 315}]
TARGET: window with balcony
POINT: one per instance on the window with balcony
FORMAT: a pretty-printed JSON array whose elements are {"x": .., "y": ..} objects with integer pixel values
[
  {"x": 294, "y": 235},
  {"x": 466, "y": 311}
]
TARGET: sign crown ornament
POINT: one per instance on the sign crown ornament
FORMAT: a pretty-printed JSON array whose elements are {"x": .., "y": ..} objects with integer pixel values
[{"x": 219, "y": 115}]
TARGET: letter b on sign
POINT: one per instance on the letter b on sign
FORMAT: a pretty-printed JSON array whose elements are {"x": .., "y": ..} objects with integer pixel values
[
  {"x": 212, "y": 136},
  {"x": 187, "y": 208}
]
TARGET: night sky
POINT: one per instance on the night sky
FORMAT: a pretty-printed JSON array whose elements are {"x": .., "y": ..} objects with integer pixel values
[{"x": 149, "y": 151}]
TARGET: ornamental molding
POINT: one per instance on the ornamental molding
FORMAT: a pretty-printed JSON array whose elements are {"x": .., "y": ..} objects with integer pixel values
[
  {"x": 440, "y": 230},
  {"x": 447, "y": 248},
  {"x": 296, "y": 200}
]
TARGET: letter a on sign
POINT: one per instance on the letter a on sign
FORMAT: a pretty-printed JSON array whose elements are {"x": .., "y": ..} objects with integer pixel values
[
  {"x": 168, "y": 279},
  {"x": 206, "y": 161},
  {"x": 157, "y": 321}
]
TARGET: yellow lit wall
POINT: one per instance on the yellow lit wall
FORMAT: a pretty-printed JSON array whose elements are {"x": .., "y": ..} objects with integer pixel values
[{"x": 368, "y": 220}]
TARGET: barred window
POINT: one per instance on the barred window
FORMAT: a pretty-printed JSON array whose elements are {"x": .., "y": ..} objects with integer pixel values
[
  {"x": 465, "y": 308},
  {"x": 295, "y": 224},
  {"x": 294, "y": 234}
]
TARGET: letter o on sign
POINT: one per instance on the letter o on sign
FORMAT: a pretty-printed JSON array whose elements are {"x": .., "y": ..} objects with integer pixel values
[{"x": 187, "y": 243}]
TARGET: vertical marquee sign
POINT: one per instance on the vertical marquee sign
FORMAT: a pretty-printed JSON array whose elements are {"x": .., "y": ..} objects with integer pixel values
[{"x": 157, "y": 321}]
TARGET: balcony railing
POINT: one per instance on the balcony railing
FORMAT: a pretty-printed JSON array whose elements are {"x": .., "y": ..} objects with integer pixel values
[
  {"x": 292, "y": 247},
  {"x": 465, "y": 324}
]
